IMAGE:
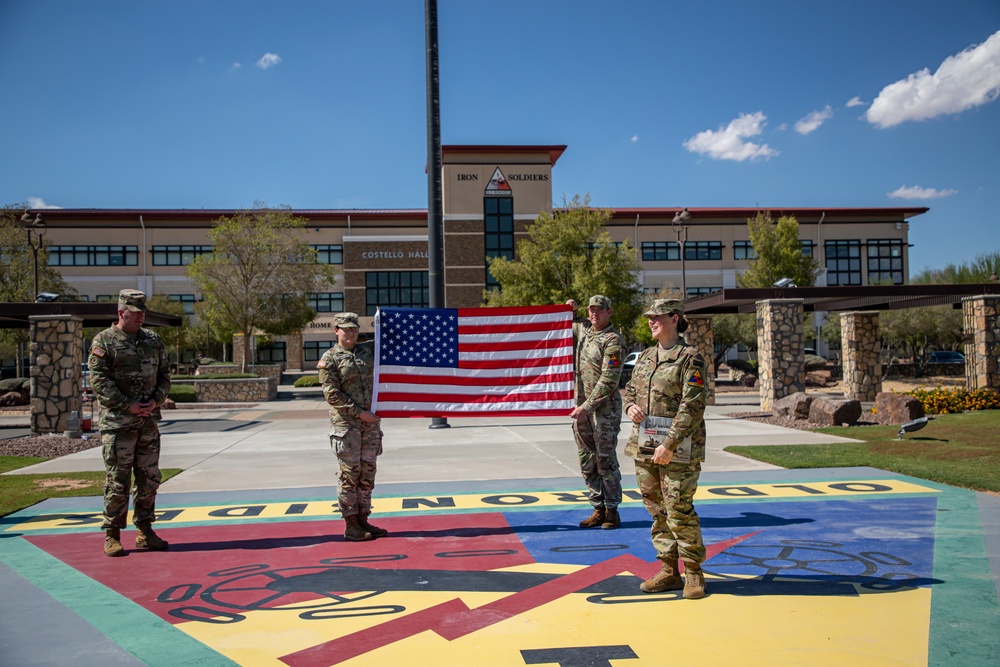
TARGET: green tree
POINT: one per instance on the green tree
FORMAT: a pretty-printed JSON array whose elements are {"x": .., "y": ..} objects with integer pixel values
[
  {"x": 174, "y": 338},
  {"x": 730, "y": 329},
  {"x": 260, "y": 274},
  {"x": 779, "y": 253},
  {"x": 982, "y": 269},
  {"x": 17, "y": 276},
  {"x": 569, "y": 254}
]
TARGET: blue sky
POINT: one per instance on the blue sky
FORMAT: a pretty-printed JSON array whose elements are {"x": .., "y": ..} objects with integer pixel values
[{"x": 221, "y": 103}]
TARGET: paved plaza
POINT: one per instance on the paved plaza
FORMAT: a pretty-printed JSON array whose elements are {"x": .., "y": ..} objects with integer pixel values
[{"x": 484, "y": 563}]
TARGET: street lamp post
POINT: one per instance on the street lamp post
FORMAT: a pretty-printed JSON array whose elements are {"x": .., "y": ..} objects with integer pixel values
[
  {"x": 35, "y": 229},
  {"x": 681, "y": 230}
]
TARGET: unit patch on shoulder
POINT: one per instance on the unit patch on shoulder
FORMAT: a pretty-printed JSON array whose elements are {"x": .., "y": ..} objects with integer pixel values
[
  {"x": 99, "y": 351},
  {"x": 695, "y": 379},
  {"x": 321, "y": 363},
  {"x": 613, "y": 360}
]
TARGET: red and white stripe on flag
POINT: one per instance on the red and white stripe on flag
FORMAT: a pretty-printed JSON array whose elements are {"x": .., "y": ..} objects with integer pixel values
[{"x": 473, "y": 362}]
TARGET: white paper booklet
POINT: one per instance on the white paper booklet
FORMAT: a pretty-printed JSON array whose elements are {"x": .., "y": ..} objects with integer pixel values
[{"x": 654, "y": 430}]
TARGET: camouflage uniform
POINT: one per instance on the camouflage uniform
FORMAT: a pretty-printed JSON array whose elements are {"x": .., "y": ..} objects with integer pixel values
[
  {"x": 598, "y": 370},
  {"x": 347, "y": 377},
  {"x": 125, "y": 369},
  {"x": 671, "y": 383}
]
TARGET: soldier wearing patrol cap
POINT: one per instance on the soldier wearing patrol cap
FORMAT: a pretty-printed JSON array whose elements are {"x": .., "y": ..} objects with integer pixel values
[
  {"x": 130, "y": 374},
  {"x": 347, "y": 372},
  {"x": 598, "y": 412},
  {"x": 668, "y": 383}
]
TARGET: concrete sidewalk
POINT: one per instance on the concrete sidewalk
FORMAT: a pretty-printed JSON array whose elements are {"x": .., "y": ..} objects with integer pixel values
[{"x": 283, "y": 444}]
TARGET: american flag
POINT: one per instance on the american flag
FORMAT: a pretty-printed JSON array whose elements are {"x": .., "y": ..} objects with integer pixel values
[{"x": 473, "y": 362}]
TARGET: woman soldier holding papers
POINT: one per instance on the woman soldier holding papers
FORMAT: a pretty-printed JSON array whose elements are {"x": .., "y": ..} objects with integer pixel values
[{"x": 665, "y": 398}]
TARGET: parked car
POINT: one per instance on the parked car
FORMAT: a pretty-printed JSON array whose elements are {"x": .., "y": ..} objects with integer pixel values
[
  {"x": 627, "y": 367},
  {"x": 945, "y": 357}
]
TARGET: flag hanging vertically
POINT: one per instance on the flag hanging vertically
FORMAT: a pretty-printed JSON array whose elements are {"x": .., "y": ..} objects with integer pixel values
[{"x": 473, "y": 362}]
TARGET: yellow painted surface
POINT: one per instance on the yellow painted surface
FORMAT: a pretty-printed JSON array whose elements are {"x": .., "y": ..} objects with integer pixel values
[
  {"x": 477, "y": 501},
  {"x": 876, "y": 629}
]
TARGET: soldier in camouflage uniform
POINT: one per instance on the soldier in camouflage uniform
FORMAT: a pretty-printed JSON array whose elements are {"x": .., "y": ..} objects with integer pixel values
[
  {"x": 130, "y": 374},
  {"x": 668, "y": 381},
  {"x": 598, "y": 412},
  {"x": 347, "y": 372}
]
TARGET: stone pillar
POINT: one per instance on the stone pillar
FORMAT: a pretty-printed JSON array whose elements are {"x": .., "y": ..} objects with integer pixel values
[
  {"x": 56, "y": 358},
  {"x": 699, "y": 335},
  {"x": 781, "y": 350},
  {"x": 238, "y": 349},
  {"x": 981, "y": 316},
  {"x": 294, "y": 352},
  {"x": 861, "y": 355}
]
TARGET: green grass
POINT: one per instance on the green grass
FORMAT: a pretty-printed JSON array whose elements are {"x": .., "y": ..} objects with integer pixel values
[
  {"x": 956, "y": 449},
  {"x": 20, "y": 491}
]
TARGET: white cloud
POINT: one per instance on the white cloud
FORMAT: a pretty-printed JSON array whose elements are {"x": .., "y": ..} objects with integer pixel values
[
  {"x": 635, "y": 138},
  {"x": 813, "y": 120},
  {"x": 268, "y": 60},
  {"x": 236, "y": 65},
  {"x": 38, "y": 202},
  {"x": 856, "y": 102},
  {"x": 917, "y": 192},
  {"x": 729, "y": 143},
  {"x": 963, "y": 81}
]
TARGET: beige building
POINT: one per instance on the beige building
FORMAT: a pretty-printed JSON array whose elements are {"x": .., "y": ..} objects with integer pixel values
[{"x": 490, "y": 196}]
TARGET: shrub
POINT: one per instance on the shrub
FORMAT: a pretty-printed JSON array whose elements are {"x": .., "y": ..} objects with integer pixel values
[
  {"x": 815, "y": 362},
  {"x": 15, "y": 384},
  {"x": 939, "y": 401},
  {"x": 307, "y": 381},
  {"x": 182, "y": 393}
]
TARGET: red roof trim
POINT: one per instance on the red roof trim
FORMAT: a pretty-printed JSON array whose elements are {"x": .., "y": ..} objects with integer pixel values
[{"x": 555, "y": 152}]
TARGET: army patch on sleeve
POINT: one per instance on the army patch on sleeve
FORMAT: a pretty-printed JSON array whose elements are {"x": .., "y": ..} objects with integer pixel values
[
  {"x": 613, "y": 360},
  {"x": 321, "y": 364},
  {"x": 99, "y": 351},
  {"x": 695, "y": 379}
]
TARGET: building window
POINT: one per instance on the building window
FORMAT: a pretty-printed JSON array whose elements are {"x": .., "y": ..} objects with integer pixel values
[
  {"x": 187, "y": 300},
  {"x": 178, "y": 255},
  {"x": 272, "y": 353},
  {"x": 329, "y": 253},
  {"x": 498, "y": 232},
  {"x": 701, "y": 291},
  {"x": 885, "y": 262},
  {"x": 807, "y": 248},
  {"x": 744, "y": 250},
  {"x": 93, "y": 255},
  {"x": 661, "y": 251},
  {"x": 313, "y": 350},
  {"x": 843, "y": 263},
  {"x": 106, "y": 298},
  {"x": 700, "y": 250},
  {"x": 404, "y": 289},
  {"x": 327, "y": 302}
]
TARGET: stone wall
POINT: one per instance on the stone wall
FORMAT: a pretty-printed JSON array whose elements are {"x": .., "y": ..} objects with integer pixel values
[
  {"x": 781, "y": 350},
  {"x": 233, "y": 391},
  {"x": 981, "y": 315},
  {"x": 56, "y": 358},
  {"x": 271, "y": 372},
  {"x": 699, "y": 334},
  {"x": 294, "y": 352},
  {"x": 861, "y": 355}
]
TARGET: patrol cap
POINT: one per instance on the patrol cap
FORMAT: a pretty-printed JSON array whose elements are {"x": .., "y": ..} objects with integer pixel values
[
  {"x": 346, "y": 320},
  {"x": 665, "y": 307},
  {"x": 132, "y": 299},
  {"x": 600, "y": 301}
]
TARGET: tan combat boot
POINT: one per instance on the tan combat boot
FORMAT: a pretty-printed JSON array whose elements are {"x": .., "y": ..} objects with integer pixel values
[
  {"x": 354, "y": 531},
  {"x": 112, "y": 543},
  {"x": 666, "y": 579},
  {"x": 694, "y": 581},
  {"x": 374, "y": 530},
  {"x": 595, "y": 519},
  {"x": 145, "y": 538},
  {"x": 611, "y": 519}
]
